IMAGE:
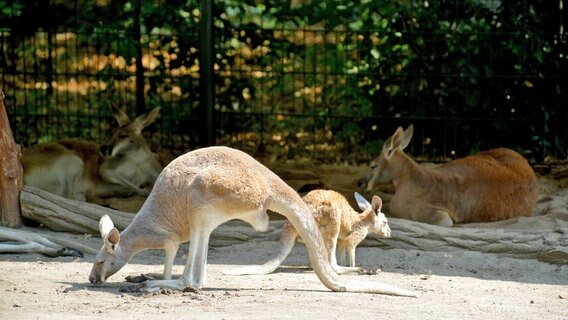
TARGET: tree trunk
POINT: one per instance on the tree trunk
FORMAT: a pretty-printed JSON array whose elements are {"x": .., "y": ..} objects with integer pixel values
[
  {"x": 540, "y": 237},
  {"x": 11, "y": 173},
  {"x": 62, "y": 214},
  {"x": 549, "y": 246}
]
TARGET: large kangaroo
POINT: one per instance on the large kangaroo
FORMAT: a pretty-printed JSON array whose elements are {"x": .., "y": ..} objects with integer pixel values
[
  {"x": 492, "y": 185},
  {"x": 341, "y": 228},
  {"x": 82, "y": 170},
  {"x": 196, "y": 193}
]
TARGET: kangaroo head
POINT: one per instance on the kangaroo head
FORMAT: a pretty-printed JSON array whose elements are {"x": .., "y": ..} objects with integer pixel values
[
  {"x": 378, "y": 221},
  {"x": 384, "y": 167},
  {"x": 129, "y": 136},
  {"x": 107, "y": 261}
]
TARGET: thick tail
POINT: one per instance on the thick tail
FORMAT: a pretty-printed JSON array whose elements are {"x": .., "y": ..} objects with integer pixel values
[
  {"x": 287, "y": 241},
  {"x": 304, "y": 223}
]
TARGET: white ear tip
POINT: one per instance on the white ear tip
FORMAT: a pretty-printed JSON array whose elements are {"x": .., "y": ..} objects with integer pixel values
[
  {"x": 362, "y": 202},
  {"x": 105, "y": 219},
  {"x": 105, "y": 225}
]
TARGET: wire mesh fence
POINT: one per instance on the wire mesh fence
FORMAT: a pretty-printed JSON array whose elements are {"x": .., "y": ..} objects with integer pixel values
[{"x": 298, "y": 80}]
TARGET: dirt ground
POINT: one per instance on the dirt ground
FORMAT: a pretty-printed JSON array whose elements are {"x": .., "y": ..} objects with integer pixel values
[{"x": 456, "y": 285}]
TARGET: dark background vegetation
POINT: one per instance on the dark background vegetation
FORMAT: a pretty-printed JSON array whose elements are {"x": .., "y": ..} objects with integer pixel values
[{"x": 321, "y": 80}]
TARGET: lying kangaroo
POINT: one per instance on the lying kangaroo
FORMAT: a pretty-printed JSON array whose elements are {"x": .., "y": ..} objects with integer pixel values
[
  {"x": 340, "y": 226},
  {"x": 492, "y": 185},
  {"x": 81, "y": 170},
  {"x": 196, "y": 193},
  {"x": 20, "y": 241}
]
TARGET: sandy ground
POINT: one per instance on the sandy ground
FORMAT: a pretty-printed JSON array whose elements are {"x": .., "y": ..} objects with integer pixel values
[{"x": 456, "y": 285}]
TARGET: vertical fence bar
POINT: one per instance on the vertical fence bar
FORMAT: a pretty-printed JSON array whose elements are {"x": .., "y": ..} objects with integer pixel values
[
  {"x": 140, "y": 102},
  {"x": 206, "y": 80}
]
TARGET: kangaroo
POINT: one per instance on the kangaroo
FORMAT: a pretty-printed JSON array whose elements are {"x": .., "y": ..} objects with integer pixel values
[
  {"x": 492, "y": 185},
  {"x": 340, "y": 226},
  {"x": 21, "y": 241},
  {"x": 82, "y": 170},
  {"x": 193, "y": 195}
]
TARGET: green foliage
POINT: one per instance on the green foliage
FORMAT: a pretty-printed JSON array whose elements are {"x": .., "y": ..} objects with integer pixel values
[{"x": 312, "y": 77}]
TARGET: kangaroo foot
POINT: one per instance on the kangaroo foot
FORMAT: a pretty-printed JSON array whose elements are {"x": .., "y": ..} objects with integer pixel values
[
  {"x": 369, "y": 272},
  {"x": 139, "y": 278}
]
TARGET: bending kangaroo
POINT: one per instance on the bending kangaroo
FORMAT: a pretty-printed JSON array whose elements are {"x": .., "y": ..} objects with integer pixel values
[
  {"x": 196, "y": 193},
  {"x": 340, "y": 226},
  {"x": 492, "y": 185}
]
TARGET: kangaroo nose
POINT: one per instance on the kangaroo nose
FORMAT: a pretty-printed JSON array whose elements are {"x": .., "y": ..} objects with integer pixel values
[
  {"x": 105, "y": 150},
  {"x": 94, "y": 280}
]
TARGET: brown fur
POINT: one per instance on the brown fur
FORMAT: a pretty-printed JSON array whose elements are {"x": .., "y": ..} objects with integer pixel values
[
  {"x": 341, "y": 225},
  {"x": 84, "y": 170},
  {"x": 492, "y": 185}
]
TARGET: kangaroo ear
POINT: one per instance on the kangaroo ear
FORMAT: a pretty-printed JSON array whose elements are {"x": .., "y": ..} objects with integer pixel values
[
  {"x": 145, "y": 120},
  {"x": 377, "y": 204},
  {"x": 105, "y": 225},
  {"x": 405, "y": 139},
  {"x": 392, "y": 142},
  {"x": 362, "y": 202},
  {"x": 109, "y": 233},
  {"x": 387, "y": 147},
  {"x": 121, "y": 117},
  {"x": 111, "y": 240}
]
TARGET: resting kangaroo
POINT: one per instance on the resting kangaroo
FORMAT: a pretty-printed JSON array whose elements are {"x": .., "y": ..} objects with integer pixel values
[
  {"x": 340, "y": 226},
  {"x": 193, "y": 195},
  {"x": 492, "y": 185},
  {"x": 20, "y": 241},
  {"x": 81, "y": 170}
]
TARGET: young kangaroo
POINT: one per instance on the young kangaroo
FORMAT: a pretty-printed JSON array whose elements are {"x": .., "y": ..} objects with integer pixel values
[
  {"x": 340, "y": 226},
  {"x": 193, "y": 195},
  {"x": 83, "y": 170},
  {"x": 492, "y": 185}
]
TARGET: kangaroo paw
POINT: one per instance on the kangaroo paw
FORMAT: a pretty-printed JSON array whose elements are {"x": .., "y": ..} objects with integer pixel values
[
  {"x": 191, "y": 290},
  {"x": 369, "y": 272},
  {"x": 134, "y": 288},
  {"x": 70, "y": 252},
  {"x": 139, "y": 278}
]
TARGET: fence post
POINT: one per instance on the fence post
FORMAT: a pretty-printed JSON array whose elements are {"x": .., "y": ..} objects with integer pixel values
[
  {"x": 206, "y": 77},
  {"x": 140, "y": 102}
]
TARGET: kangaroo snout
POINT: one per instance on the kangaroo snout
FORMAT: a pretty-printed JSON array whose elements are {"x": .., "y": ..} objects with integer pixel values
[
  {"x": 96, "y": 280},
  {"x": 105, "y": 150},
  {"x": 387, "y": 232},
  {"x": 93, "y": 280},
  {"x": 362, "y": 182},
  {"x": 364, "y": 186}
]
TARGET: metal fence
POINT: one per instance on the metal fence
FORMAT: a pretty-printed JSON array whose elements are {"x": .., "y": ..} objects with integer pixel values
[{"x": 282, "y": 92}]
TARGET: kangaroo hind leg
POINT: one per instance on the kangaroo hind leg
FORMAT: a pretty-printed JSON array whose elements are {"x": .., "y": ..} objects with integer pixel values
[{"x": 436, "y": 215}]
